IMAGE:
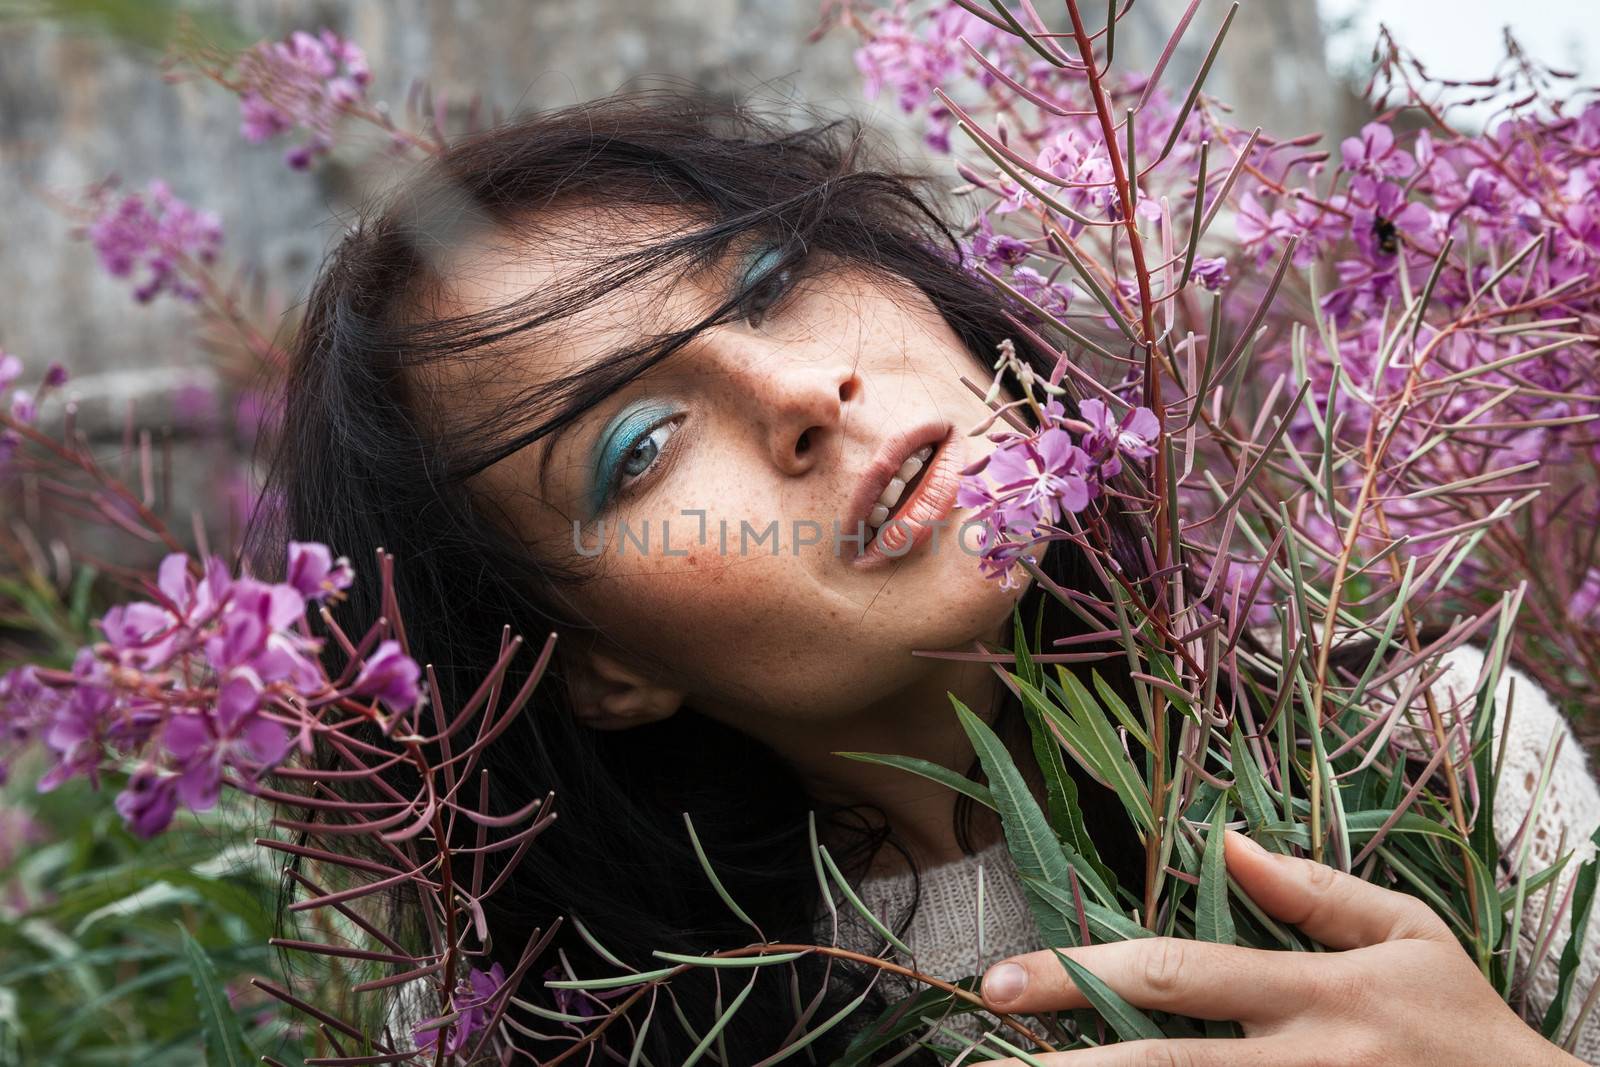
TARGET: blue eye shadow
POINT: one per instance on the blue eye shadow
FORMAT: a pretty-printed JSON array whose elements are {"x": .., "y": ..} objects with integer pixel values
[
  {"x": 630, "y": 425},
  {"x": 760, "y": 263}
]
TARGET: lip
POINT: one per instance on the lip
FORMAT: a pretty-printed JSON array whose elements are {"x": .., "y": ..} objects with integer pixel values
[{"x": 932, "y": 500}]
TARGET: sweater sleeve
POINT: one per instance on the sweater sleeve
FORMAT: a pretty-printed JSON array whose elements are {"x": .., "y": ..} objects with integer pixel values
[{"x": 1528, "y": 724}]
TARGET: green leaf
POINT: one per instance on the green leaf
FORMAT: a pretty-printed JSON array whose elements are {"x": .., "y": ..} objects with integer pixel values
[
  {"x": 1105, "y": 924},
  {"x": 722, "y": 1021},
  {"x": 1572, "y": 952},
  {"x": 1119, "y": 708},
  {"x": 733, "y": 962},
  {"x": 156, "y": 895},
  {"x": 1363, "y": 824},
  {"x": 1129, "y": 1022},
  {"x": 817, "y": 1031},
  {"x": 1116, "y": 765},
  {"x": 1066, "y": 813},
  {"x": 225, "y": 1044},
  {"x": 1533, "y": 882},
  {"x": 1061, "y": 790},
  {"x": 1034, "y": 848},
  {"x": 615, "y": 982},
  {"x": 929, "y": 770},
  {"x": 1491, "y": 920},
  {"x": 1026, "y": 667},
  {"x": 903, "y": 1018},
  {"x": 711, "y": 874},
  {"x": 1213, "y": 920},
  {"x": 1249, "y": 786},
  {"x": 857, "y": 903}
]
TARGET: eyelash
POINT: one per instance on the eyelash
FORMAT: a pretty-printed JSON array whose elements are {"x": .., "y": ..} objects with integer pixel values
[
  {"x": 775, "y": 284},
  {"x": 620, "y": 484}
]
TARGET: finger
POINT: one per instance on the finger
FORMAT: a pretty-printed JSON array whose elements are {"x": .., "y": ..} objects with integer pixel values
[
  {"x": 1194, "y": 978},
  {"x": 1181, "y": 1052},
  {"x": 1337, "y": 909}
]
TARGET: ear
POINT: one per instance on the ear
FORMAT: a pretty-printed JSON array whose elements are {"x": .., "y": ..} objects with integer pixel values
[{"x": 610, "y": 694}]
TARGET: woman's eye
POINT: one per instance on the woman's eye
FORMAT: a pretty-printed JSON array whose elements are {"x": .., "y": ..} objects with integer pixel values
[
  {"x": 764, "y": 283},
  {"x": 644, "y": 452}
]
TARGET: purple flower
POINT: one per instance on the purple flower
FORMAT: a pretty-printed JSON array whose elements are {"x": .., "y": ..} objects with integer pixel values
[
  {"x": 1373, "y": 156},
  {"x": 148, "y": 802},
  {"x": 23, "y": 409},
  {"x": 1583, "y": 604},
  {"x": 1081, "y": 161},
  {"x": 10, "y": 369},
  {"x": 158, "y": 233},
  {"x": 254, "y": 613},
  {"x": 306, "y": 82},
  {"x": 1316, "y": 225},
  {"x": 1054, "y": 297},
  {"x": 1211, "y": 273},
  {"x": 26, "y": 705},
  {"x": 1253, "y": 223},
  {"x": 78, "y": 728},
  {"x": 314, "y": 573},
  {"x": 140, "y": 634},
  {"x": 231, "y": 734},
  {"x": 1110, "y": 438},
  {"x": 391, "y": 676},
  {"x": 995, "y": 251},
  {"x": 1036, "y": 479},
  {"x": 914, "y": 63},
  {"x": 471, "y": 997},
  {"x": 1377, "y": 229}
]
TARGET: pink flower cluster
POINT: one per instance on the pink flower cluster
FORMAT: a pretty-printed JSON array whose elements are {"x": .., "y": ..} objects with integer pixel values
[
  {"x": 913, "y": 55},
  {"x": 1394, "y": 204},
  {"x": 306, "y": 83},
  {"x": 212, "y": 680},
  {"x": 1456, "y": 208},
  {"x": 1500, "y": 227},
  {"x": 156, "y": 234},
  {"x": 1030, "y": 480},
  {"x": 1042, "y": 107}
]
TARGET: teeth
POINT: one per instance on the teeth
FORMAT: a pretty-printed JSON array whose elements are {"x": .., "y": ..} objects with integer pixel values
[{"x": 897, "y": 486}]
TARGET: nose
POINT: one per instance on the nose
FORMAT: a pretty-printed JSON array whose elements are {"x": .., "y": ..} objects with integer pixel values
[{"x": 800, "y": 407}]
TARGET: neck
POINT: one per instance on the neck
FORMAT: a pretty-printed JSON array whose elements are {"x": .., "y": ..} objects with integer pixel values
[{"x": 917, "y": 721}]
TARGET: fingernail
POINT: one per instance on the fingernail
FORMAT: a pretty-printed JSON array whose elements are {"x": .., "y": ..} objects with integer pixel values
[
  {"x": 1247, "y": 844},
  {"x": 1004, "y": 982}
]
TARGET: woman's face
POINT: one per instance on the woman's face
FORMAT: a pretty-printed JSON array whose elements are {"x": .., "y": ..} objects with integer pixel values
[{"x": 744, "y": 463}]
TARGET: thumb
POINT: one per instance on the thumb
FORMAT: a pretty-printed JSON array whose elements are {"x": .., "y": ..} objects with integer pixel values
[{"x": 1334, "y": 908}]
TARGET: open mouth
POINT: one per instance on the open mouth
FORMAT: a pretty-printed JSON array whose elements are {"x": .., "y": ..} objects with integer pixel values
[
  {"x": 900, "y": 488},
  {"x": 916, "y": 498}
]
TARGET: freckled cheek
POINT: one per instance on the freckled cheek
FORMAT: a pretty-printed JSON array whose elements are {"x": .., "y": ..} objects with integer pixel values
[{"x": 699, "y": 609}]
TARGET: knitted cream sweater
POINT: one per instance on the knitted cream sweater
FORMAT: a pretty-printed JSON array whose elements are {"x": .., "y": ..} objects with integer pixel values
[{"x": 945, "y": 942}]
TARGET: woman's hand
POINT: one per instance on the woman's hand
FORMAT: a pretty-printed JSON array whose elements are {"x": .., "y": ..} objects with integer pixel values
[{"x": 1402, "y": 991}]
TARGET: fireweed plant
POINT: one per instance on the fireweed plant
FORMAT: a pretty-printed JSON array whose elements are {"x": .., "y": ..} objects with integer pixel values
[{"x": 1275, "y": 428}]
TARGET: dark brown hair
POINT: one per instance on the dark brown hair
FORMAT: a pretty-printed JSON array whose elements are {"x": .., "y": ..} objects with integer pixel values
[{"x": 361, "y": 466}]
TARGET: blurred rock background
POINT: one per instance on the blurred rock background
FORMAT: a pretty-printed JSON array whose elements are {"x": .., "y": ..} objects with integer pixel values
[{"x": 82, "y": 96}]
